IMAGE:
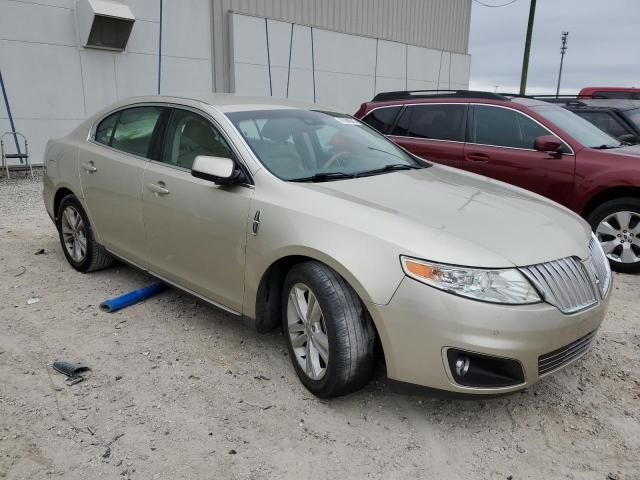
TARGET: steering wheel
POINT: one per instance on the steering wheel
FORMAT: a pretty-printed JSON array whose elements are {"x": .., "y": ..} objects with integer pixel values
[{"x": 334, "y": 158}]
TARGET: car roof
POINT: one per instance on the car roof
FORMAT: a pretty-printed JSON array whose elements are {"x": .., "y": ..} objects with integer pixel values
[{"x": 227, "y": 102}]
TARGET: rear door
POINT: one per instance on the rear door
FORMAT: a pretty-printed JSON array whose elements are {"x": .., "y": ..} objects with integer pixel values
[
  {"x": 111, "y": 169},
  {"x": 500, "y": 146},
  {"x": 433, "y": 131},
  {"x": 196, "y": 230}
]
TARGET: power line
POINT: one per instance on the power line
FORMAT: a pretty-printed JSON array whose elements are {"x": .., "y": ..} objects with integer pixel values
[{"x": 495, "y": 6}]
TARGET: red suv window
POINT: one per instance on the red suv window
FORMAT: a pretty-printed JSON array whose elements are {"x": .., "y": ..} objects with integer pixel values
[{"x": 433, "y": 121}]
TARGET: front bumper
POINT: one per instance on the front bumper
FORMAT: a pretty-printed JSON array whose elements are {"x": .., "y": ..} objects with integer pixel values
[{"x": 420, "y": 323}]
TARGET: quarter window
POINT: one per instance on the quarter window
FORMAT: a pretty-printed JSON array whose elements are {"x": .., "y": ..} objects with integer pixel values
[
  {"x": 104, "y": 131},
  {"x": 134, "y": 128},
  {"x": 189, "y": 135},
  {"x": 382, "y": 118},
  {"x": 504, "y": 127},
  {"x": 438, "y": 122}
]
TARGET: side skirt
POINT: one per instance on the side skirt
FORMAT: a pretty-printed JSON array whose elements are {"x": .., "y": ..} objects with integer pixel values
[{"x": 173, "y": 284}]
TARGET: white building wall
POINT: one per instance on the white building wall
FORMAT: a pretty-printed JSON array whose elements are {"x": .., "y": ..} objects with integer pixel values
[
  {"x": 344, "y": 69},
  {"x": 52, "y": 83}
]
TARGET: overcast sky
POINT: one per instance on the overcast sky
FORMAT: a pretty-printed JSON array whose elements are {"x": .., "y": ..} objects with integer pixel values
[{"x": 603, "y": 45}]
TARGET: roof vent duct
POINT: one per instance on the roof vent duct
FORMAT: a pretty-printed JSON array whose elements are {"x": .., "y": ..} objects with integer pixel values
[{"x": 104, "y": 24}]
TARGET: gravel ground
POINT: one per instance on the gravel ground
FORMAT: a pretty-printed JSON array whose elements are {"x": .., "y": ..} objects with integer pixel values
[{"x": 178, "y": 389}]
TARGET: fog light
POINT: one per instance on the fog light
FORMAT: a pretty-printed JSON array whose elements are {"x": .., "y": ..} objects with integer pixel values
[
  {"x": 472, "y": 369},
  {"x": 462, "y": 366}
]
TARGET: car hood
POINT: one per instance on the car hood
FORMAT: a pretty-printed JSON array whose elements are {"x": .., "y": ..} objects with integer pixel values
[
  {"x": 451, "y": 216},
  {"x": 627, "y": 151}
]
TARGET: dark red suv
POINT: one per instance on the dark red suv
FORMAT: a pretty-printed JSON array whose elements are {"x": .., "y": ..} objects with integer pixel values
[{"x": 529, "y": 143}]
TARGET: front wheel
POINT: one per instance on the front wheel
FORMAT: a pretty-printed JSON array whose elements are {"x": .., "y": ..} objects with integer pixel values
[
  {"x": 329, "y": 335},
  {"x": 616, "y": 223}
]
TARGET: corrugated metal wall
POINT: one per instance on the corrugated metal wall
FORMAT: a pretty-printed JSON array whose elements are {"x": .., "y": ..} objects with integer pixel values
[{"x": 439, "y": 24}]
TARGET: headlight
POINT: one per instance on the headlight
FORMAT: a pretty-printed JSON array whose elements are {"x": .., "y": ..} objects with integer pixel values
[{"x": 506, "y": 286}]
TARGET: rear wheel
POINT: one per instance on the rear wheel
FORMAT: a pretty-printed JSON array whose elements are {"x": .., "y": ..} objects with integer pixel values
[
  {"x": 76, "y": 237},
  {"x": 329, "y": 335},
  {"x": 616, "y": 223}
]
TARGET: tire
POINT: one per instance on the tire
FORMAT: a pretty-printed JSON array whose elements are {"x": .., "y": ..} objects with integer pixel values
[
  {"x": 342, "y": 324},
  {"x": 93, "y": 256},
  {"x": 617, "y": 226}
]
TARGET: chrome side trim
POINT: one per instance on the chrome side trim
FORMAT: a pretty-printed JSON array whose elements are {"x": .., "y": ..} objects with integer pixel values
[
  {"x": 173, "y": 284},
  {"x": 202, "y": 113}
]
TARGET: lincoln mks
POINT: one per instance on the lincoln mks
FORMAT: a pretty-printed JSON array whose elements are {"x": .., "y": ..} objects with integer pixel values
[{"x": 299, "y": 216}]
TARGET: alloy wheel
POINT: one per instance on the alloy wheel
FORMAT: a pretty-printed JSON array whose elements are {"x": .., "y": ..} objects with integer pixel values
[
  {"x": 619, "y": 235},
  {"x": 74, "y": 234},
  {"x": 307, "y": 331}
]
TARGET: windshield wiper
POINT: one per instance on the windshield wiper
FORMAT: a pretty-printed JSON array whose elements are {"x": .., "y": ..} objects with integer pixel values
[
  {"x": 389, "y": 168},
  {"x": 606, "y": 147},
  {"x": 324, "y": 177},
  {"x": 384, "y": 151}
]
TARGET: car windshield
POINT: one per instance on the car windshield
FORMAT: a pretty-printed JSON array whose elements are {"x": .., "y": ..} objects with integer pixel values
[
  {"x": 634, "y": 116},
  {"x": 310, "y": 145},
  {"x": 580, "y": 129}
]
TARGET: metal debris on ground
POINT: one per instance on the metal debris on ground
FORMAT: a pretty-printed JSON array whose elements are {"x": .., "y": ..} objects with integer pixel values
[{"x": 33, "y": 300}]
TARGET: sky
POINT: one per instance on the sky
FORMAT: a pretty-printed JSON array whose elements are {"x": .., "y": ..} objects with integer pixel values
[{"x": 603, "y": 45}]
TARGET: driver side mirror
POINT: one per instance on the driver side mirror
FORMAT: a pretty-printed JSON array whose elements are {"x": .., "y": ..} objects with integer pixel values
[
  {"x": 220, "y": 170},
  {"x": 548, "y": 143}
]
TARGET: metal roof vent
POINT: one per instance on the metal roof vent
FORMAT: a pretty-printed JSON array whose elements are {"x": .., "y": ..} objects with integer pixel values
[{"x": 104, "y": 24}]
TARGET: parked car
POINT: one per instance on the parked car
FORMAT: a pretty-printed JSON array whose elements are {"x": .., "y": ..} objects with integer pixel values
[
  {"x": 622, "y": 93},
  {"x": 291, "y": 215},
  {"x": 618, "y": 118},
  {"x": 529, "y": 143}
]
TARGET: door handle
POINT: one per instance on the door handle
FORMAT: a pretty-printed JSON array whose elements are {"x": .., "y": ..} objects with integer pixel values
[
  {"x": 158, "y": 188},
  {"x": 89, "y": 167},
  {"x": 478, "y": 157}
]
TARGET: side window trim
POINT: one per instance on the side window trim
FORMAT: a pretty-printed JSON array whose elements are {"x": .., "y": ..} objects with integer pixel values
[
  {"x": 472, "y": 124},
  {"x": 91, "y": 136},
  {"x": 235, "y": 156},
  {"x": 406, "y": 107},
  {"x": 392, "y": 124}
]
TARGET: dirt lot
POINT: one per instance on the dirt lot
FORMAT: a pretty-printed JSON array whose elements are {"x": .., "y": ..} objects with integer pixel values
[{"x": 181, "y": 390}]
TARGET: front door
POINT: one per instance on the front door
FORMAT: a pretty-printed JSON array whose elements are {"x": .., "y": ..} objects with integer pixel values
[
  {"x": 111, "y": 169},
  {"x": 501, "y": 146},
  {"x": 196, "y": 230}
]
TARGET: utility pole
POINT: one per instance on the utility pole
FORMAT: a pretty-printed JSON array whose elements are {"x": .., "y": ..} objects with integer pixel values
[
  {"x": 563, "y": 49},
  {"x": 527, "y": 48}
]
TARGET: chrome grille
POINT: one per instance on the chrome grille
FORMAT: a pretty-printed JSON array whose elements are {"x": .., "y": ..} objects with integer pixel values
[
  {"x": 551, "y": 361},
  {"x": 600, "y": 265},
  {"x": 564, "y": 283}
]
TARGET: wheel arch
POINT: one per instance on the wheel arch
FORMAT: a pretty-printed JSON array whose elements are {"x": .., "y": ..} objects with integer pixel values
[
  {"x": 268, "y": 308},
  {"x": 609, "y": 194},
  {"x": 57, "y": 198}
]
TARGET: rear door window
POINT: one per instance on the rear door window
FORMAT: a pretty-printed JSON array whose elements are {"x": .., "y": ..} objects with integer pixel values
[
  {"x": 382, "y": 118},
  {"x": 605, "y": 121},
  {"x": 134, "y": 129},
  {"x": 504, "y": 127},
  {"x": 437, "y": 122}
]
